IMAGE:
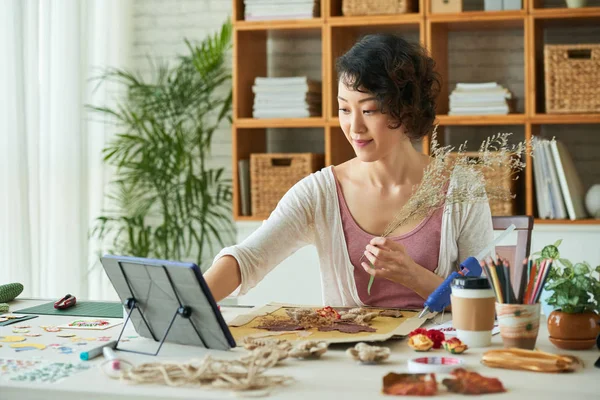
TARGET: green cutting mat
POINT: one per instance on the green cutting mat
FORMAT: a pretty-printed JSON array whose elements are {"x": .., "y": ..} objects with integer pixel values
[{"x": 80, "y": 309}]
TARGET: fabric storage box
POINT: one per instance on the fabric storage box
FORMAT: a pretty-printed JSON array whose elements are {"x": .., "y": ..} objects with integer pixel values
[
  {"x": 495, "y": 177},
  {"x": 446, "y": 6},
  {"x": 572, "y": 78},
  {"x": 273, "y": 174},
  {"x": 377, "y": 7}
]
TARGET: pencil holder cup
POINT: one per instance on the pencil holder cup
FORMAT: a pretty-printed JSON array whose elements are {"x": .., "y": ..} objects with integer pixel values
[{"x": 519, "y": 324}]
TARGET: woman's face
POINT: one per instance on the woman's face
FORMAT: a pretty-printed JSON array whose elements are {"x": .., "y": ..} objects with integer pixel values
[{"x": 365, "y": 127}]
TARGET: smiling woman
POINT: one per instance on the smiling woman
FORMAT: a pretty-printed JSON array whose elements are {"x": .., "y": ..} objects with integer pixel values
[{"x": 387, "y": 91}]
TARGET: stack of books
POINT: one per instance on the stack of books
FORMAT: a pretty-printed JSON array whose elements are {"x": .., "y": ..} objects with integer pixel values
[
  {"x": 479, "y": 99},
  {"x": 288, "y": 97},
  {"x": 558, "y": 188},
  {"x": 265, "y": 10}
]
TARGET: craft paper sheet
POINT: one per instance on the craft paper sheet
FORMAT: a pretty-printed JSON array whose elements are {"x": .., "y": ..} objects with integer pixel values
[{"x": 387, "y": 327}]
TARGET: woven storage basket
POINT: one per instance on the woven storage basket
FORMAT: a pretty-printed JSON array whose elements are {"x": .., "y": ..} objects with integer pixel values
[
  {"x": 572, "y": 78},
  {"x": 377, "y": 7},
  {"x": 493, "y": 179},
  {"x": 273, "y": 174}
]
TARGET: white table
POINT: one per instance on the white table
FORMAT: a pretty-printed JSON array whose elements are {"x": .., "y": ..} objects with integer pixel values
[{"x": 334, "y": 376}]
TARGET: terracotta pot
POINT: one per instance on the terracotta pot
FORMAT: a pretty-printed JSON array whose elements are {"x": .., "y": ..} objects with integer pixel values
[{"x": 573, "y": 331}]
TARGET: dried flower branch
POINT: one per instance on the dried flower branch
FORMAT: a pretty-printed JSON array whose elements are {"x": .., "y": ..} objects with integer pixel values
[{"x": 467, "y": 173}]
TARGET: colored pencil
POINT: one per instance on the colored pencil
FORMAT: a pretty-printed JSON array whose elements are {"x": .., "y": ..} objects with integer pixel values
[
  {"x": 496, "y": 282},
  {"x": 538, "y": 280},
  {"x": 530, "y": 281},
  {"x": 487, "y": 272},
  {"x": 523, "y": 281},
  {"x": 543, "y": 281}
]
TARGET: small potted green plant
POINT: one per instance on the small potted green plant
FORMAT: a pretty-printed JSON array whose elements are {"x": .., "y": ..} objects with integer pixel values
[{"x": 575, "y": 322}]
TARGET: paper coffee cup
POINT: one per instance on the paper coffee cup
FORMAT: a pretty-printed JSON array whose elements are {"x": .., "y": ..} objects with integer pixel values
[{"x": 473, "y": 310}]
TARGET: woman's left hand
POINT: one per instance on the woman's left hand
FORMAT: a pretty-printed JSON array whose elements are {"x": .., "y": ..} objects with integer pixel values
[{"x": 390, "y": 261}]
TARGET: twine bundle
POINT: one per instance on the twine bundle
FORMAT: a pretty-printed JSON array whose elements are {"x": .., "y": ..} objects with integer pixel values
[{"x": 238, "y": 375}]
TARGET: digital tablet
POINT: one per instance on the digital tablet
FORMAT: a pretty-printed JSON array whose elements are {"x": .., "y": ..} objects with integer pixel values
[{"x": 159, "y": 288}]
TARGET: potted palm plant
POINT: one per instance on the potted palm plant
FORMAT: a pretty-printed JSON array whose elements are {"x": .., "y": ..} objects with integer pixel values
[
  {"x": 168, "y": 201},
  {"x": 575, "y": 297}
]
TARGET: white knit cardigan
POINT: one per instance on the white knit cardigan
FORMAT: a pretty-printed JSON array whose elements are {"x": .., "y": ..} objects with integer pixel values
[{"x": 309, "y": 214}]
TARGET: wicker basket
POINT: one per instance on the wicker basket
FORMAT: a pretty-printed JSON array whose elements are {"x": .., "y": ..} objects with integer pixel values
[
  {"x": 377, "y": 7},
  {"x": 572, "y": 78},
  {"x": 495, "y": 178},
  {"x": 273, "y": 174}
]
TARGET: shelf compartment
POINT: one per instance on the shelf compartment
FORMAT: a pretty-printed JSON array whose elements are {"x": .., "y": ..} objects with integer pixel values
[
  {"x": 444, "y": 40},
  {"x": 269, "y": 52},
  {"x": 509, "y": 119},
  {"x": 313, "y": 122},
  {"x": 555, "y": 31}
]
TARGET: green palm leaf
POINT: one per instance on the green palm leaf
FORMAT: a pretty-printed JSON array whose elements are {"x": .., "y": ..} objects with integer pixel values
[{"x": 168, "y": 203}]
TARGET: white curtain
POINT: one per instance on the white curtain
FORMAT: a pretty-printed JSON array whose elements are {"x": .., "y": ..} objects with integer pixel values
[{"x": 52, "y": 178}]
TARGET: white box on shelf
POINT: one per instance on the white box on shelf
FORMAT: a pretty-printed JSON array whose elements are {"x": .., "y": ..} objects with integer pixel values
[
  {"x": 492, "y": 5},
  {"x": 512, "y": 4}
]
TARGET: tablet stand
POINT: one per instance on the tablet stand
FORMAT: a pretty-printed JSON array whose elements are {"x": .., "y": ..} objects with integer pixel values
[{"x": 132, "y": 304}]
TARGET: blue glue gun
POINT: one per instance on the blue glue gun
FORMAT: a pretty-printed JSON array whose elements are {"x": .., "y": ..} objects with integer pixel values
[{"x": 440, "y": 298}]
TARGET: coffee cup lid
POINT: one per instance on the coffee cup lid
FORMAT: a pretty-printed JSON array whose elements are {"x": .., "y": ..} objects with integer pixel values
[{"x": 471, "y": 282}]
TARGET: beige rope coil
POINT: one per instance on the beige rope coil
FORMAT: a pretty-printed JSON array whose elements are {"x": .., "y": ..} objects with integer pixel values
[{"x": 244, "y": 374}]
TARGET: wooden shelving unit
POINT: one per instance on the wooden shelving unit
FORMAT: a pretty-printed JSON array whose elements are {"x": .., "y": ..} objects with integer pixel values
[{"x": 339, "y": 33}]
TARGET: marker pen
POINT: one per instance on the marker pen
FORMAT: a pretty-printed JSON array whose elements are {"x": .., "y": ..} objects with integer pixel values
[{"x": 95, "y": 352}]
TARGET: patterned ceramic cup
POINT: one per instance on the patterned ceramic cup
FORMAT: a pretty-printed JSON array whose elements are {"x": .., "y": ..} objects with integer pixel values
[{"x": 519, "y": 324}]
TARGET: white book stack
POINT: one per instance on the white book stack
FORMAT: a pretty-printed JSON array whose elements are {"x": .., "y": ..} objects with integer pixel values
[
  {"x": 265, "y": 10},
  {"x": 288, "y": 97},
  {"x": 479, "y": 99},
  {"x": 558, "y": 188}
]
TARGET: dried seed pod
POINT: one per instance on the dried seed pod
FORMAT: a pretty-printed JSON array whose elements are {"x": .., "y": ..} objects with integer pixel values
[
  {"x": 369, "y": 354},
  {"x": 309, "y": 349}
]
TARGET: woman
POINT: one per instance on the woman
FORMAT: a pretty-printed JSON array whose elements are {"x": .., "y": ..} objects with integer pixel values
[{"x": 386, "y": 96}]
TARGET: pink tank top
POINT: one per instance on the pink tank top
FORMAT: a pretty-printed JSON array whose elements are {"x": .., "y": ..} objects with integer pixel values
[{"x": 422, "y": 245}]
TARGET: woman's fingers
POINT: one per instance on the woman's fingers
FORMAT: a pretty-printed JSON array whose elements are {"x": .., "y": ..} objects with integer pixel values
[
  {"x": 376, "y": 272},
  {"x": 380, "y": 253},
  {"x": 388, "y": 244}
]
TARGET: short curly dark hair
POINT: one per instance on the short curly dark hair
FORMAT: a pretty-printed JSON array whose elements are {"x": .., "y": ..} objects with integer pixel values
[{"x": 399, "y": 74}]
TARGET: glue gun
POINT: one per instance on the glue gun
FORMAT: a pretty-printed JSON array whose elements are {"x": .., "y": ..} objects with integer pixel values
[{"x": 440, "y": 298}]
